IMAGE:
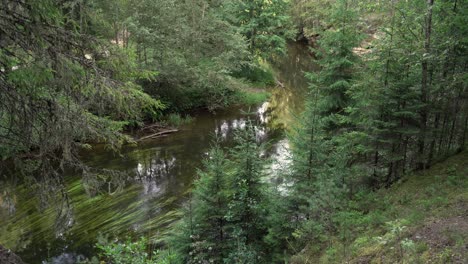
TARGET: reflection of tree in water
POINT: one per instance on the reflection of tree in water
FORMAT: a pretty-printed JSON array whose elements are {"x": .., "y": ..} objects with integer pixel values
[
  {"x": 98, "y": 181},
  {"x": 7, "y": 197},
  {"x": 225, "y": 129},
  {"x": 45, "y": 187},
  {"x": 154, "y": 174}
]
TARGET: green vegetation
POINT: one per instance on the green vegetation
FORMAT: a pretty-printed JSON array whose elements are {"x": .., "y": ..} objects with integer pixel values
[
  {"x": 225, "y": 218},
  {"x": 373, "y": 115},
  {"x": 254, "y": 97},
  {"x": 80, "y": 72},
  {"x": 366, "y": 180},
  {"x": 420, "y": 219},
  {"x": 176, "y": 120},
  {"x": 133, "y": 252}
]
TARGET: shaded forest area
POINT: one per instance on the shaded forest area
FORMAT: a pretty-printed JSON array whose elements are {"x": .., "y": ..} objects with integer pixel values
[{"x": 389, "y": 101}]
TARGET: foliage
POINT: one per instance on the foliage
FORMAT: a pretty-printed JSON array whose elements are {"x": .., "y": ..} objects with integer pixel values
[
  {"x": 399, "y": 236},
  {"x": 375, "y": 112},
  {"x": 128, "y": 252},
  {"x": 60, "y": 89},
  {"x": 265, "y": 24},
  {"x": 224, "y": 219},
  {"x": 253, "y": 98},
  {"x": 257, "y": 75},
  {"x": 176, "y": 120},
  {"x": 194, "y": 61}
]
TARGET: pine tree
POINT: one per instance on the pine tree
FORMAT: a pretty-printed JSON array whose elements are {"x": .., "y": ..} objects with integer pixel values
[
  {"x": 246, "y": 214},
  {"x": 210, "y": 200},
  {"x": 265, "y": 24},
  {"x": 337, "y": 61},
  {"x": 320, "y": 175},
  {"x": 203, "y": 236}
]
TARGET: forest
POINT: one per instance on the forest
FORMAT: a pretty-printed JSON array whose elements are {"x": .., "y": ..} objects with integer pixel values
[{"x": 243, "y": 131}]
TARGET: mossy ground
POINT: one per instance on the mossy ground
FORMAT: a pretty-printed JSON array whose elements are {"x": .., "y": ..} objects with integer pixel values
[{"x": 423, "y": 218}]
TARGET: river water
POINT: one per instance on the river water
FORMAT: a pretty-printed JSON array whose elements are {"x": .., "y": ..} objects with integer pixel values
[{"x": 161, "y": 172}]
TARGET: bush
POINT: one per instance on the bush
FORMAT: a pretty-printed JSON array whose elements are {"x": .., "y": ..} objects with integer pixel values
[
  {"x": 129, "y": 252},
  {"x": 176, "y": 120},
  {"x": 257, "y": 75},
  {"x": 252, "y": 98}
]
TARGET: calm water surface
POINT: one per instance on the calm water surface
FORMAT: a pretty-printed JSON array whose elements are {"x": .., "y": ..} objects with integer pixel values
[{"x": 160, "y": 171}]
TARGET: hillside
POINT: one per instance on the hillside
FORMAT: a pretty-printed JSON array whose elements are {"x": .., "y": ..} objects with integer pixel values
[{"x": 421, "y": 219}]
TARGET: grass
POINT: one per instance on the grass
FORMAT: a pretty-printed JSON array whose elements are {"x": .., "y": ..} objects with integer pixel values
[
  {"x": 258, "y": 76},
  {"x": 423, "y": 218},
  {"x": 176, "y": 120},
  {"x": 252, "y": 97}
]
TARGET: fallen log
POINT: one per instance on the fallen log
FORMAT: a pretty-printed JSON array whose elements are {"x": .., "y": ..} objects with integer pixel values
[
  {"x": 158, "y": 134},
  {"x": 278, "y": 83}
]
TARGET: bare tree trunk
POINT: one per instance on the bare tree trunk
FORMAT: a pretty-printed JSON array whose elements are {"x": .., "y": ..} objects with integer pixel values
[
  {"x": 443, "y": 132},
  {"x": 425, "y": 85},
  {"x": 405, "y": 154},
  {"x": 434, "y": 136}
]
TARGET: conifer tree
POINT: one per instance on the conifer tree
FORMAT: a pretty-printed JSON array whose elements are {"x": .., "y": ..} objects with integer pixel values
[
  {"x": 203, "y": 231},
  {"x": 337, "y": 61},
  {"x": 246, "y": 213},
  {"x": 210, "y": 199},
  {"x": 265, "y": 24},
  {"x": 320, "y": 176}
]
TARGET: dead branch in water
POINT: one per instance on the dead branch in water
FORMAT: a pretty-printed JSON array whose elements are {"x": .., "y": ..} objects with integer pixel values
[{"x": 158, "y": 134}]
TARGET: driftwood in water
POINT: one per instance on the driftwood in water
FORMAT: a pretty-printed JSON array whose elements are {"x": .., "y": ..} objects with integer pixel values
[
  {"x": 159, "y": 134},
  {"x": 278, "y": 83}
]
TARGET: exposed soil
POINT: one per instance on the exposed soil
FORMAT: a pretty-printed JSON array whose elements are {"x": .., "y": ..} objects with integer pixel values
[{"x": 440, "y": 234}]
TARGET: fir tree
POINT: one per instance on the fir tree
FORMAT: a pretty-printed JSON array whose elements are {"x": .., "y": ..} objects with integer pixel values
[
  {"x": 337, "y": 61},
  {"x": 246, "y": 213},
  {"x": 203, "y": 237}
]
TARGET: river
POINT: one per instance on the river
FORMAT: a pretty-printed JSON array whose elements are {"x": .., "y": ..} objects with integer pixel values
[{"x": 161, "y": 174}]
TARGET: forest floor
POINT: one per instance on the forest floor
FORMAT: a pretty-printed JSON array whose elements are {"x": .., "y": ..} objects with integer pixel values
[{"x": 423, "y": 218}]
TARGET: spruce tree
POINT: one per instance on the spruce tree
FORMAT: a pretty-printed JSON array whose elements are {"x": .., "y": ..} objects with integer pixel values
[
  {"x": 247, "y": 211},
  {"x": 202, "y": 235},
  {"x": 210, "y": 200},
  {"x": 320, "y": 176},
  {"x": 337, "y": 61},
  {"x": 265, "y": 24}
]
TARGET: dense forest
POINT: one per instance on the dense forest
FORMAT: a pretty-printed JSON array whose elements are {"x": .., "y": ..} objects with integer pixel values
[{"x": 378, "y": 149}]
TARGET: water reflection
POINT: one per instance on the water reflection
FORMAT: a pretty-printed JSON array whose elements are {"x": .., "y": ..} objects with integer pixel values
[
  {"x": 262, "y": 112},
  {"x": 280, "y": 166},
  {"x": 227, "y": 127},
  {"x": 156, "y": 176}
]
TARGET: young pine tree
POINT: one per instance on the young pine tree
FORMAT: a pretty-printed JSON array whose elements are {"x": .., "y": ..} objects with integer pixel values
[
  {"x": 265, "y": 24},
  {"x": 247, "y": 211},
  {"x": 320, "y": 176},
  {"x": 337, "y": 61},
  {"x": 203, "y": 237}
]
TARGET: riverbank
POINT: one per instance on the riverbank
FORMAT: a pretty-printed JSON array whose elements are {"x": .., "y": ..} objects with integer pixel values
[{"x": 423, "y": 218}]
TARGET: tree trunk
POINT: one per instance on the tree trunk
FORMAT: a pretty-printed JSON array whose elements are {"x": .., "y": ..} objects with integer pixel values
[
  {"x": 425, "y": 84},
  {"x": 434, "y": 136}
]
